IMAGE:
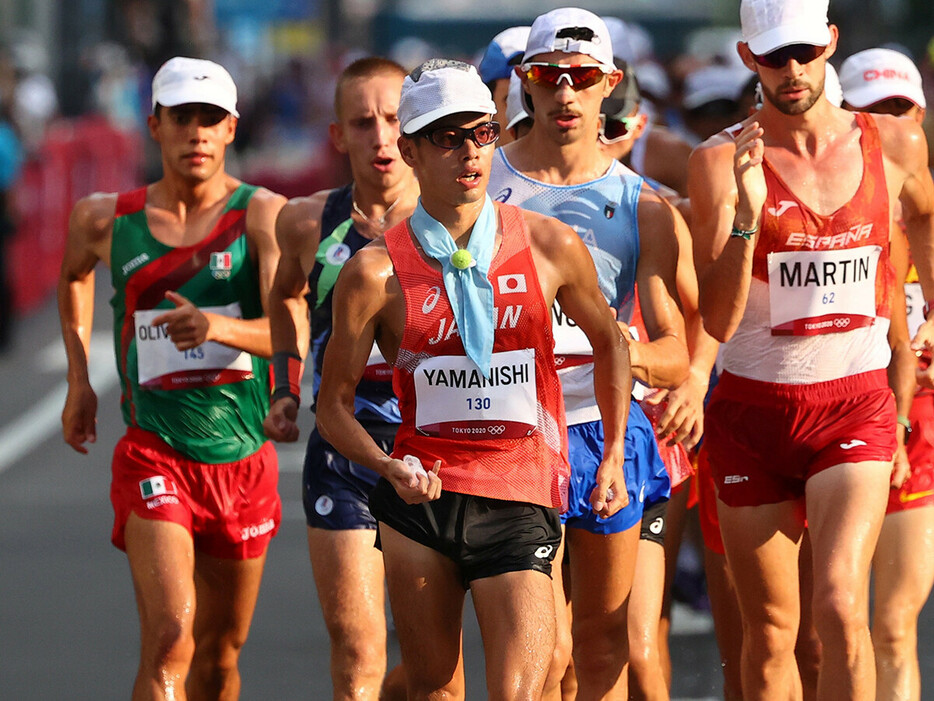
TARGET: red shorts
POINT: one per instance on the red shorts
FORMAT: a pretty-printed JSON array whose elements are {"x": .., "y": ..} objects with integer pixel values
[
  {"x": 676, "y": 458},
  {"x": 765, "y": 440},
  {"x": 232, "y": 510},
  {"x": 707, "y": 504},
  {"x": 918, "y": 489}
]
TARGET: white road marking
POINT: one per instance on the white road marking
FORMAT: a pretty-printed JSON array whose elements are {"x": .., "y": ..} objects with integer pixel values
[{"x": 43, "y": 419}]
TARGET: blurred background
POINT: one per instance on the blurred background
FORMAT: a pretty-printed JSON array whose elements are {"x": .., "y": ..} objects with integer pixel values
[{"x": 74, "y": 85}]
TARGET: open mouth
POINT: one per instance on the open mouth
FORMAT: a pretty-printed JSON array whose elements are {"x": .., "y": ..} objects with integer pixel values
[
  {"x": 383, "y": 164},
  {"x": 472, "y": 178}
]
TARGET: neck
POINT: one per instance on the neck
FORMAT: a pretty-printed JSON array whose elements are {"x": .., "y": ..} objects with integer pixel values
[
  {"x": 375, "y": 200},
  {"x": 458, "y": 220},
  {"x": 186, "y": 196},
  {"x": 801, "y": 133},
  {"x": 570, "y": 163}
]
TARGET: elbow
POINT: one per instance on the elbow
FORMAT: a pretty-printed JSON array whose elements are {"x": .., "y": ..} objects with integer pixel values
[{"x": 715, "y": 325}]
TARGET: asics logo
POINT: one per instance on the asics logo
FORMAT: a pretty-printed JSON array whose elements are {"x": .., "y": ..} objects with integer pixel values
[
  {"x": 855, "y": 443},
  {"x": 657, "y": 525},
  {"x": 431, "y": 301},
  {"x": 544, "y": 552},
  {"x": 783, "y": 206}
]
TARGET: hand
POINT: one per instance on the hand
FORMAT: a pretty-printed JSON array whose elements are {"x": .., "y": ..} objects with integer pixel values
[
  {"x": 901, "y": 468},
  {"x": 750, "y": 178},
  {"x": 280, "y": 423},
  {"x": 610, "y": 494},
  {"x": 186, "y": 325},
  {"x": 682, "y": 419},
  {"x": 79, "y": 417},
  {"x": 414, "y": 487}
]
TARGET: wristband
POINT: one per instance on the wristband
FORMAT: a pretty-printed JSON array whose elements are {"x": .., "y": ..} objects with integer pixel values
[
  {"x": 287, "y": 369},
  {"x": 743, "y": 233},
  {"x": 904, "y": 421}
]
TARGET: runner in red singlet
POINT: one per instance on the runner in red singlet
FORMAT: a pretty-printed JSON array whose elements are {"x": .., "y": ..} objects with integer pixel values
[
  {"x": 792, "y": 213},
  {"x": 470, "y": 496},
  {"x": 883, "y": 81}
]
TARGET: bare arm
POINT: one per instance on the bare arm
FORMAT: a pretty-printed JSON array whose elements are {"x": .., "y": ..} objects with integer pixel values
[
  {"x": 361, "y": 306},
  {"x": 189, "y": 327},
  {"x": 663, "y": 361},
  {"x": 903, "y": 363},
  {"x": 568, "y": 264},
  {"x": 89, "y": 232},
  {"x": 727, "y": 189},
  {"x": 298, "y": 232}
]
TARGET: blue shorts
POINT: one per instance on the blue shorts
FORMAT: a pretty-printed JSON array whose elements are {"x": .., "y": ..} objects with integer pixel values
[
  {"x": 646, "y": 477},
  {"x": 336, "y": 491}
]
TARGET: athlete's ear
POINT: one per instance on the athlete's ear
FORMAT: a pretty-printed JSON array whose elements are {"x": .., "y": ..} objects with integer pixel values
[
  {"x": 336, "y": 132},
  {"x": 612, "y": 80},
  {"x": 742, "y": 48},
  {"x": 232, "y": 123},
  {"x": 152, "y": 121},
  {"x": 407, "y": 150},
  {"x": 832, "y": 46}
]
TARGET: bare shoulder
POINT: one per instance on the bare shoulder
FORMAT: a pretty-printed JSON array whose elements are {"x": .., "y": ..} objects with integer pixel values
[
  {"x": 549, "y": 235},
  {"x": 92, "y": 217},
  {"x": 263, "y": 207},
  {"x": 368, "y": 271},
  {"x": 299, "y": 221},
  {"x": 903, "y": 141}
]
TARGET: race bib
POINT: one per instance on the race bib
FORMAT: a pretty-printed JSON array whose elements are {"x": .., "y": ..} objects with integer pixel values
[
  {"x": 820, "y": 292},
  {"x": 161, "y": 366},
  {"x": 572, "y": 347},
  {"x": 377, "y": 369},
  {"x": 914, "y": 305},
  {"x": 455, "y": 400}
]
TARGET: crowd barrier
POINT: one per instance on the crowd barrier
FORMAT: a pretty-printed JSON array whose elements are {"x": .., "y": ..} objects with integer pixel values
[{"x": 76, "y": 158}]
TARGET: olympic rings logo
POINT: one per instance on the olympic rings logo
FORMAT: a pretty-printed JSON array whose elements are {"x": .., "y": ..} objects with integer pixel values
[
  {"x": 496, "y": 430},
  {"x": 841, "y": 323}
]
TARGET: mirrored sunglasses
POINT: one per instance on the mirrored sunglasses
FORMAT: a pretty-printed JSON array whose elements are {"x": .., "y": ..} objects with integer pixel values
[
  {"x": 618, "y": 129},
  {"x": 578, "y": 77},
  {"x": 801, "y": 53},
  {"x": 451, "y": 138}
]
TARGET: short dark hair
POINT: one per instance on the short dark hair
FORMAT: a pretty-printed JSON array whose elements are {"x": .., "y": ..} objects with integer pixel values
[{"x": 364, "y": 68}]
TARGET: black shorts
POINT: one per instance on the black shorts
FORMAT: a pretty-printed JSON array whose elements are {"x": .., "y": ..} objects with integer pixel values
[
  {"x": 335, "y": 490},
  {"x": 655, "y": 522},
  {"x": 483, "y": 537}
]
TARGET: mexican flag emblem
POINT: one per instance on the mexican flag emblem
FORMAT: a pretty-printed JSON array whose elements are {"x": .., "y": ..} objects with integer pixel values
[
  {"x": 155, "y": 487},
  {"x": 221, "y": 264}
]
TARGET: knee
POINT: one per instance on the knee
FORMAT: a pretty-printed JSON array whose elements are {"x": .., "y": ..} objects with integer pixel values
[
  {"x": 560, "y": 658},
  {"x": 894, "y": 635},
  {"x": 601, "y": 644},
  {"x": 840, "y": 614},
  {"x": 168, "y": 644},
  {"x": 770, "y": 641}
]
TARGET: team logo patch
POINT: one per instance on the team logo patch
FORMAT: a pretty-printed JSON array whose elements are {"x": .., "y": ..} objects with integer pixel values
[
  {"x": 511, "y": 283},
  {"x": 431, "y": 300},
  {"x": 609, "y": 210},
  {"x": 221, "y": 264},
  {"x": 338, "y": 254},
  {"x": 155, "y": 487},
  {"x": 324, "y": 505}
]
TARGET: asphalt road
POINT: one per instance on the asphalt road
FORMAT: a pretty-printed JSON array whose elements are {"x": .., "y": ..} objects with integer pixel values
[{"x": 68, "y": 627}]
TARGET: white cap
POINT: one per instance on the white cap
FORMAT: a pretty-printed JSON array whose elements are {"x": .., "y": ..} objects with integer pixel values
[
  {"x": 772, "y": 24},
  {"x": 502, "y": 53},
  {"x": 440, "y": 87},
  {"x": 619, "y": 38},
  {"x": 833, "y": 91},
  {"x": 515, "y": 109},
  {"x": 183, "y": 81},
  {"x": 712, "y": 83},
  {"x": 880, "y": 74},
  {"x": 554, "y": 31}
]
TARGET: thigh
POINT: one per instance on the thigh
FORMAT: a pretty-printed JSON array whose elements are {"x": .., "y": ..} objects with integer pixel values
[
  {"x": 761, "y": 544},
  {"x": 845, "y": 508},
  {"x": 162, "y": 557},
  {"x": 427, "y": 601},
  {"x": 226, "y": 591},
  {"x": 645, "y": 600},
  {"x": 602, "y": 570},
  {"x": 903, "y": 565},
  {"x": 516, "y": 613},
  {"x": 348, "y": 572}
]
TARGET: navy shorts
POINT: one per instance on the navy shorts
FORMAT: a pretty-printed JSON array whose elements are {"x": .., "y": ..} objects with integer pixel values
[
  {"x": 484, "y": 537},
  {"x": 647, "y": 480},
  {"x": 335, "y": 491}
]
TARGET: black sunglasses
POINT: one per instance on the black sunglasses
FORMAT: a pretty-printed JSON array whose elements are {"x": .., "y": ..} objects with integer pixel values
[
  {"x": 801, "y": 53},
  {"x": 451, "y": 138}
]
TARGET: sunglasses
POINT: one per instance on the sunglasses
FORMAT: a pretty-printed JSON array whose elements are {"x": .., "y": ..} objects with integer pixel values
[
  {"x": 801, "y": 53},
  {"x": 451, "y": 138},
  {"x": 578, "y": 77},
  {"x": 618, "y": 129}
]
